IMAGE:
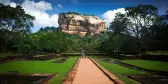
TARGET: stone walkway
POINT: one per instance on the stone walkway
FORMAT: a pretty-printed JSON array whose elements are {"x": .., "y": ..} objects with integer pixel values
[{"x": 89, "y": 73}]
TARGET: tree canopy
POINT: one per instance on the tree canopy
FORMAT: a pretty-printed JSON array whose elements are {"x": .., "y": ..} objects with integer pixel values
[
  {"x": 13, "y": 22},
  {"x": 136, "y": 21}
]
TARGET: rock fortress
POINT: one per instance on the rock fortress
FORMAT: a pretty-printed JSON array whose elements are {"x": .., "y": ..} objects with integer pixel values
[{"x": 82, "y": 24}]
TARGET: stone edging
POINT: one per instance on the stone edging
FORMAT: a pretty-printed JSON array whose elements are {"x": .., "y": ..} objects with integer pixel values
[
  {"x": 71, "y": 75},
  {"x": 47, "y": 80},
  {"x": 107, "y": 73}
]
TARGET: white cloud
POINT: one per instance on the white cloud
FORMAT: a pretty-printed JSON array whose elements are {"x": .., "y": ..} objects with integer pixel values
[
  {"x": 43, "y": 19},
  {"x": 12, "y": 4},
  {"x": 42, "y": 5},
  {"x": 38, "y": 10},
  {"x": 5, "y": 2},
  {"x": 60, "y": 6},
  {"x": 8, "y": 2},
  {"x": 110, "y": 15}
]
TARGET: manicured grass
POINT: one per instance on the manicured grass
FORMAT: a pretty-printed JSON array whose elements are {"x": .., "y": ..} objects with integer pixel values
[
  {"x": 147, "y": 64},
  {"x": 41, "y": 67},
  {"x": 118, "y": 70}
]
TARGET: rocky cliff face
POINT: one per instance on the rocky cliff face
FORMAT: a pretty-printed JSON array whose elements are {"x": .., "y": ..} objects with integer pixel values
[{"x": 75, "y": 23}]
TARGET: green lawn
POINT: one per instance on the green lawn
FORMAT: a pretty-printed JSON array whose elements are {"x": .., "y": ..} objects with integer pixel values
[
  {"x": 147, "y": 64},
  {"x": 118, "y": 70},
  {"x": 41, "y": 67}
]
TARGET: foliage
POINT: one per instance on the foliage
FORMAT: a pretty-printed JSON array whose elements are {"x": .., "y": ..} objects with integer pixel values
[
  {"x": 48, "y": 29},
  {"x": 156, "y": 39},
  {"x": 119, "y": 24},
  {"x": 143, "y": 24},
  {"x": 13, "y": 22},
  {"x": 128, "y": 43},
  {"x": 112, "y": 43}
]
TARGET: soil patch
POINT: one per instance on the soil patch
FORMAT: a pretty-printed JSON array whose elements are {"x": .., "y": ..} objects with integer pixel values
[
  {"x": 14, "y": 77},
  {"x": 150, "y": 79}
]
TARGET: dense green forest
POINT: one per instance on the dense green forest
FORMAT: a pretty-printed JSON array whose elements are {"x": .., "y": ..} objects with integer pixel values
[{"x": 140, "y": 29}]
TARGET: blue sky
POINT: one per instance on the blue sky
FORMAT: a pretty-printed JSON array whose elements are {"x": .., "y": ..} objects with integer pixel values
[{"x": 46, "y": 11}]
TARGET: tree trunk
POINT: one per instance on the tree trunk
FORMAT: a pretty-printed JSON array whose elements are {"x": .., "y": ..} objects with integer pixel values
[
  {"x": 138, "y": 44},
  {"x": 4, "y": 48},
  {"x": 19, "y": 50},
  {"x": 1, "y": 48}
]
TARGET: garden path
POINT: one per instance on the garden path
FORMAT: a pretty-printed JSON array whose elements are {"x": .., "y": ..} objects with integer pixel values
[{"x": 89, "y": 73}]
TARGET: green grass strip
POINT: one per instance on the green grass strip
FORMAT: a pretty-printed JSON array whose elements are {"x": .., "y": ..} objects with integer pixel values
[
  {"x": 118, "y": 70},
  {"x": 147, "y": 64}
]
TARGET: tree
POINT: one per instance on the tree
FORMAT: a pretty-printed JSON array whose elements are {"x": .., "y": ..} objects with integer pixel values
[
  {"x": 51, "y": 40},
  {"x": 48, "y": 29},
  {"x": 165, "y": 17},
  {"x": 23, "y": 43},
  {"x": 155, "y": 38},
  {"x": 119, "y": 24},
  {"x": 13, "y": 20},
  {"x": 136, "y": 21},
  {"x": 112, "y": 43}
]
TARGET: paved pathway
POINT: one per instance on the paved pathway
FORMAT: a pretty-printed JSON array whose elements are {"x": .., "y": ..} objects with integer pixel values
[{"x": 89, "y": 73}]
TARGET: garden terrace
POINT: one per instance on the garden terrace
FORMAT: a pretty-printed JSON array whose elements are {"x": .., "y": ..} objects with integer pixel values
[
  {"x": 40, "y": 67},
  {"x": 154, "y": 71},
  {"x": 118, "y": 70},
  {"x": 150, "y": 73}
]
